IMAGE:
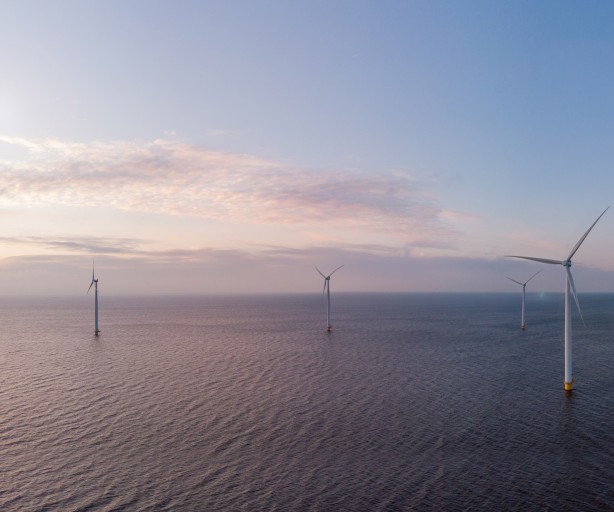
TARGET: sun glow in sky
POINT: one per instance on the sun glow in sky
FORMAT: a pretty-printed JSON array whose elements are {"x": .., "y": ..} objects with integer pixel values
[{"x": 228, "y": 147}]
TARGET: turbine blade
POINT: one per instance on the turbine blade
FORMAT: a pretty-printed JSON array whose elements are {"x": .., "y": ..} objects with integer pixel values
[
  {"x": 579, "y": 243},
  {"x": 88, "y": 290},
  {"x": 324, "y": 289},
  {"x": 517, "y": 282},
  {"x": 319, "y": 272},
  {"x": 533, "y": 276},
  {"x": 541, "y": 260},
  {"x": 335, "y": 270},
  {"x": 573, "y": 292}
]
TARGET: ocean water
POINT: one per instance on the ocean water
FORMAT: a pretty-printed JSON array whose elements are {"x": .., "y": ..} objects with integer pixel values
[{"x": 413, "y": 402}]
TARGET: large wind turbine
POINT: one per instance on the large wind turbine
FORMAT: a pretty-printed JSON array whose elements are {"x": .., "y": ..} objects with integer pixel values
[
  {"x": 327, "y": 291},
  {"x": 570, "y": 288},
  {"x": 95, "y": 284},
  {"x": 524, "y": 285}
]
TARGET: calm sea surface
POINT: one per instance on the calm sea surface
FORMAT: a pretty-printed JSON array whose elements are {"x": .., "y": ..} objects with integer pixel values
[{"x": 413, "y": 402}]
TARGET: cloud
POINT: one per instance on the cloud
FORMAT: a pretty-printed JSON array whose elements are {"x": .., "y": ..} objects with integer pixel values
[
  {"x": 454, "y": 215},
  {"x": 275, "y": 269},
  {"x": 173, "y": 177},
  {"x": 91, "y": 245}
]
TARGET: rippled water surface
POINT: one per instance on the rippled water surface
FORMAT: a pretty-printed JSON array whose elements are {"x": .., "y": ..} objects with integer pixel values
[{"x": 413, "y": 402}]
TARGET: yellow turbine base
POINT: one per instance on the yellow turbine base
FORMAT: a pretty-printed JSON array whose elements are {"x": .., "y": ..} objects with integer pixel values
[{"x": 568, "y": 386}]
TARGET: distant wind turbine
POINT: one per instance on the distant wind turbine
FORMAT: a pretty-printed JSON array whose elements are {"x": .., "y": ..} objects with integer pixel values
[
  {"x": 327, "y": 291},
  {"x": 570, "y": 288},
  {"x": 95, "y": 284},
  {"x": 524, "y": 285}
]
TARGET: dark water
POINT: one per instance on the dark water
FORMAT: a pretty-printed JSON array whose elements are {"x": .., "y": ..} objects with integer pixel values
[{"x": 414, "y": 402}]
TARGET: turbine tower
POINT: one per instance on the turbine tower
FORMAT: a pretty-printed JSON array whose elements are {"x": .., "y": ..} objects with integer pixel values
[
  {"x": 95, "y": 284},
  {"x": 524, "y": 285},
  {"x": 327, "y": 291},
  {"x": 570, "y": 288}
]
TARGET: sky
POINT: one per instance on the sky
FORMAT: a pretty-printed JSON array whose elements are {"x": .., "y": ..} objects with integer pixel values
[{"x": 209, "y": 147}]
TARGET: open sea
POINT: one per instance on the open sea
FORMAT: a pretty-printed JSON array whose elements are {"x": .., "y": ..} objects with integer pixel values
[{"x": 414, "y": 402}]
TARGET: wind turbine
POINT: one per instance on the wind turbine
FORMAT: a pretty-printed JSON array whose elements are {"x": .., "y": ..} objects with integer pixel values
[
  {"x": 327, "y": 291},
  {"x": 524, "y": 285},
  {"x": 570, "y": 288},
  {"x": 95, "y": 284}
]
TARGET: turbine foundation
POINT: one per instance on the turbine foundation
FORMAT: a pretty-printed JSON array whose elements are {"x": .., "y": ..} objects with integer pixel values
[{"x": 569, "y": 386}]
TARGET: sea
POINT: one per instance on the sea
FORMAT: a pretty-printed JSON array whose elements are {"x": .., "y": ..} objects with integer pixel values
[{"x": 414, "y": 402}]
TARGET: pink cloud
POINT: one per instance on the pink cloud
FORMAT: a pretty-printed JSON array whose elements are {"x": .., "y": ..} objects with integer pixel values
[{"x": 173, "y": 177}]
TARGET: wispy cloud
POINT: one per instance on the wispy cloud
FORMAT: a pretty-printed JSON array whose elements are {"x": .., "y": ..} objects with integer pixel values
[
  {"x": 172, "y": 177},
  {"x": 91, "y": 245},
  {"x": 454, "y": 215}
]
